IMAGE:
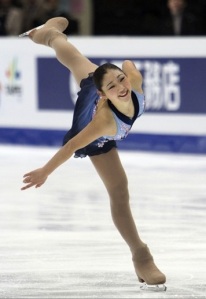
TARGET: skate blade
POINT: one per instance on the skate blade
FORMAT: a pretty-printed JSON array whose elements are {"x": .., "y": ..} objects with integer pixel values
[
  {"x": 27, "y": 32},
  {"x": 153, "y": 288}
]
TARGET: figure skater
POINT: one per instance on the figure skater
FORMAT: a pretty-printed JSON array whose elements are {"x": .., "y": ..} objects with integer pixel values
[{"x": 109, "y": 102}]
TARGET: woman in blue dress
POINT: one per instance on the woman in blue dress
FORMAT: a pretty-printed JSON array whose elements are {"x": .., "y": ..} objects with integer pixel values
[{"x": 109, "y": 101}]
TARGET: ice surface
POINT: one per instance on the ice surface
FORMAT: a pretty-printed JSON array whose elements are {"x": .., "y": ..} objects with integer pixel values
[{"x": 59, "y": 241}]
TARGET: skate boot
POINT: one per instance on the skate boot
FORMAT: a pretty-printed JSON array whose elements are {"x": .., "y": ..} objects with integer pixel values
[
  {"x": 147, "y": 272},
  {"x": 44, "y": 34}
]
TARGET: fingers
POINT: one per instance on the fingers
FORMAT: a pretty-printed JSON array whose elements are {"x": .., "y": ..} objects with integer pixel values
[
  {"x": 27, "y": 174},
  {"x": 34, "y": 178},
  {"x": 39, "y": 185},
  {"x": 27, "y": 186},
  {"x": 28, "y": 180},
  {"x": 31, "y": 185}
]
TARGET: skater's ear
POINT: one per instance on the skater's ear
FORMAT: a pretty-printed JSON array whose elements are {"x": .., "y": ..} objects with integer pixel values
[{"x": 101, "y": 94}]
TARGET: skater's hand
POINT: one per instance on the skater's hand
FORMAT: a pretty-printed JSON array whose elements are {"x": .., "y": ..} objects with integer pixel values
[{"x": 34, "y": 178}]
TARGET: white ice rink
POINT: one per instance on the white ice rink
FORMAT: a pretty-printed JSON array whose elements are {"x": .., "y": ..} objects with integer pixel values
[{"x": 59, "y": 241}]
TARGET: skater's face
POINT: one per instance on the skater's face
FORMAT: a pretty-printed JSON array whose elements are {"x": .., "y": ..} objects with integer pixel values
[{"x": 116, "y": 86}]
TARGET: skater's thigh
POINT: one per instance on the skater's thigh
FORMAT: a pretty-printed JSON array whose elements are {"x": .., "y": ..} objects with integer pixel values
[
  {"x": 81, "y": 68},
  {"x": 79, "y": 65}
]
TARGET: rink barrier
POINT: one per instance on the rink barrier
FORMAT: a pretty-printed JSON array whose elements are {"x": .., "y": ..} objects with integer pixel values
[{"x": 134, "y": 142}]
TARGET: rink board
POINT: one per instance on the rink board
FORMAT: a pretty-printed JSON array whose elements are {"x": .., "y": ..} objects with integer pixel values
[{"x": 37, "y": 94}]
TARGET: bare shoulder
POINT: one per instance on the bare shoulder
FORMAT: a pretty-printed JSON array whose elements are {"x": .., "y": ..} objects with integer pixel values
[{"x": 133, "y": 75}]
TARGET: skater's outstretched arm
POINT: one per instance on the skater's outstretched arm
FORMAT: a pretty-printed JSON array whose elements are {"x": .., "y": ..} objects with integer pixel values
[{"x": 99, "y": 126}]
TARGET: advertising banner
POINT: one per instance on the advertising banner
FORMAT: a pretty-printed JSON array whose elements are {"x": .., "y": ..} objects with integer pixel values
[{"x": 170, "y": 85}]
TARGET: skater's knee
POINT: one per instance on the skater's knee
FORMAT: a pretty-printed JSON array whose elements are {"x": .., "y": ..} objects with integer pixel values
[{"x": 119, "y": 194}]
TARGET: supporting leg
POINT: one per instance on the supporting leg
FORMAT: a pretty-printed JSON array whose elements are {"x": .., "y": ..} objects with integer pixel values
[{"x": 114, "y": 178}]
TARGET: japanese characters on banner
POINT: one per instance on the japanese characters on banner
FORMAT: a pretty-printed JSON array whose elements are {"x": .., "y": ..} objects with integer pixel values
[{"x": 37, "y": 93}]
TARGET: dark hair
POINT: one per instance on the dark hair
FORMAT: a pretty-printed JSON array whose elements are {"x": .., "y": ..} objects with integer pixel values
[{"x": 99, "y": 73}]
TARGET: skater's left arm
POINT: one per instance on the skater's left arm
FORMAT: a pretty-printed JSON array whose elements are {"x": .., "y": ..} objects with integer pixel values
[
  {"x": 133, "y": 75},
  {"x": 98, "y": 127}
]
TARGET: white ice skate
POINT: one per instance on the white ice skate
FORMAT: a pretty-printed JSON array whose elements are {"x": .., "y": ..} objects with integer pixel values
[
  {"x": 27, "y": 32},
  {"x": 153, "y": 288}
]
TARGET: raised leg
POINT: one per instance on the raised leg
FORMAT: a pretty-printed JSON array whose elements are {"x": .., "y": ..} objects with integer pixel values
[
  {"x": 110, "y": 169},
  {"x": 51, "y": 35}
]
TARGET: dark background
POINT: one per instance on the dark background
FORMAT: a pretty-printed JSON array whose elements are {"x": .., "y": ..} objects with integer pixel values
[{"x": 139, "y": 17}]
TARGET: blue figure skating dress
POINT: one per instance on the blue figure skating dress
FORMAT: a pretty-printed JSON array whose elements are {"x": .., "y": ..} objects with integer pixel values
[{"x": 84, "y": 111}]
